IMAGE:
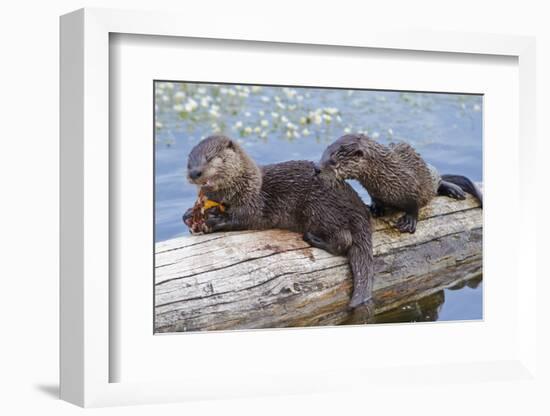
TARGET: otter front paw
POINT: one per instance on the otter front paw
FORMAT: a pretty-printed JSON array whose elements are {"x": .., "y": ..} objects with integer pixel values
[
  {"x": 407, "y": 223},
  {"x": 187, "y": 218},
  {"x": 215, "y": 220}
]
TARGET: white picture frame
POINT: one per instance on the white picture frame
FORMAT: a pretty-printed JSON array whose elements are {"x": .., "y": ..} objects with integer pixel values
[{"x": 85, "y": 221}]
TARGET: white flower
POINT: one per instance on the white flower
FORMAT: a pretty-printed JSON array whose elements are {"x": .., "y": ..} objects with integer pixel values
[
  {"x": 274, "y": 115},
  {"x": 247, "y": 130},
  {"x": 169, "y": 86},
  {"x": 284, "y": 119},
  {"x": 191, "y": 105},
  {"x": 347, "y": 130},
  {"x": 477, "y": 107},
  {"x": 232, "y": 92},
  {"x": 257, "y": 129},
  {"x": 265, "y": 99},
  {"x": 158, "y": 125},
  {"x": 317, "y": 119},
  {"x": 375, "y": 135},
  {"x": 264, "y": 123},
  {"x": 247, "y": 114},
  {"x": 390, "y": 132},
  {"x": 205, "y": 101},
  {"x": 290, "y": 93},
  {"x": 331, "y": 110},
  {"x": 180, "y": 95},
  {"x": 178, "y": 108},
  {"x": 327, "y": 118},
  {"x": 238, "y": 125},
  {"x": 306, "y": 132},
  {"x": 256, "y": 88},
  {"x": 303, "y": 120},
  {"x": 261, "y": 113}
]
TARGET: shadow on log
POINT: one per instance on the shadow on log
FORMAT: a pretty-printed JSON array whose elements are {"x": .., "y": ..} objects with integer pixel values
[{"x": 273, "y": 279}]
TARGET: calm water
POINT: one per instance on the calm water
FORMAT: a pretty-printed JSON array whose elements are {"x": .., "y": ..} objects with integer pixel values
[{"x": 276, "y": 124}]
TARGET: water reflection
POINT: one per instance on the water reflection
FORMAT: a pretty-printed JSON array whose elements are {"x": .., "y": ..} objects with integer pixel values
[{"x": 433, "y": 307}]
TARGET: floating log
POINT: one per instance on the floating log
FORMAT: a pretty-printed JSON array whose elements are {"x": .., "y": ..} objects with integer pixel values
[{"x": 273, "y": 279}]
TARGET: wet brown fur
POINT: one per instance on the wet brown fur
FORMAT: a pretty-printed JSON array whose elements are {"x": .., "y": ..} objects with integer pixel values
[
  {"x": 395, "y": 176},
  {"x": 290, "y": 195}
]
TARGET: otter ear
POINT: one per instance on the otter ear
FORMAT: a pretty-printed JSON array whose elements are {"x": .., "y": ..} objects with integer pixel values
[
  {"x": 230, "y": 144},
  {"x": 358, "y": 153}
]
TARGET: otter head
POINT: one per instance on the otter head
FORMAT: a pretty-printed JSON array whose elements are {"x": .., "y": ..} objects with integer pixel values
[
  {"x": 214, "y": 162},
  {"x": 345, "y": 157}
]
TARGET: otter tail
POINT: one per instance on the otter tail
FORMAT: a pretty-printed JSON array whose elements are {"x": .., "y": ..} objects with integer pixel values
[
  {"x": 362, "y": 266},
  {"x": 463, "y": 183}
]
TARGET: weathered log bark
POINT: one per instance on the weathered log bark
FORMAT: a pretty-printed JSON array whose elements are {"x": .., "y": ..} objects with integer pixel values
[{"x": 271, "y": 279}]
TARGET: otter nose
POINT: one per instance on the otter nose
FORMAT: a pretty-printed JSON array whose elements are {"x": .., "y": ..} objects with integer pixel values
[{"x": 195, "y": 173}]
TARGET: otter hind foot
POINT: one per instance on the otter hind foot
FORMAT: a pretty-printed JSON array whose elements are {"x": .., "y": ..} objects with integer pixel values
[
  {"x": 334, "y": 245},
  {"x": 317, "y": 242},
  {"x": 451, "y": 190},
  {"x": 407, "y": 223}
]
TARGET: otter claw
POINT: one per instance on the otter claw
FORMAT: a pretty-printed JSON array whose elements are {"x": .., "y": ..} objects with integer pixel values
[
  {"x": 313, "y": 240},
  {"x": 214, "y": 220},
  {"x": 406, "y": 224},
  {"x": 187, "y": 217},
  {"x": 457, "y": 194}
]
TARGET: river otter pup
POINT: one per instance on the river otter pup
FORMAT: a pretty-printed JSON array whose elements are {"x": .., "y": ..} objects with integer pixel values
[
  {"x": 395, "y": 176},
  {"x": 290, "y": 195}
]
